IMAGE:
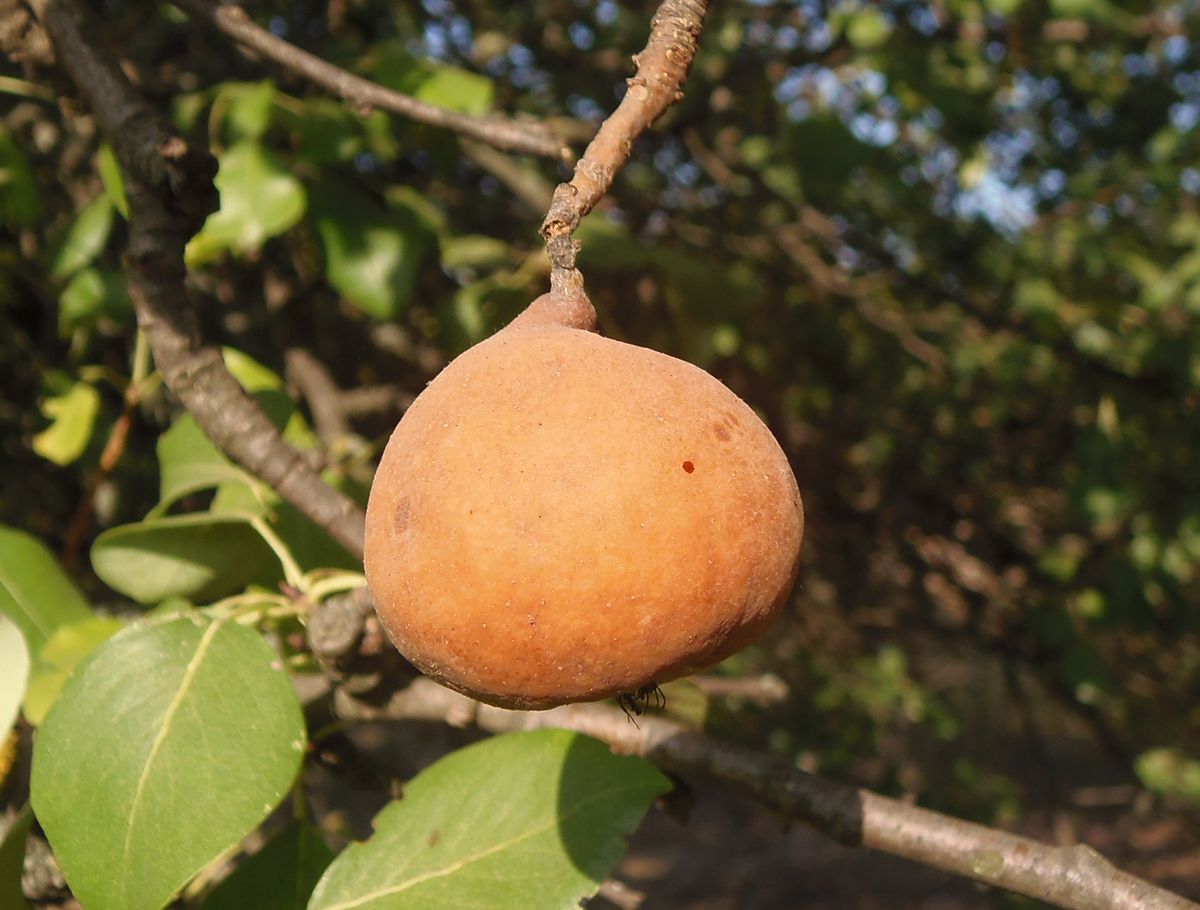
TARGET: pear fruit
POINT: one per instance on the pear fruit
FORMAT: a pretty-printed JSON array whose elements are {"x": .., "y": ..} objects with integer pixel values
[{"x": 562, "y": 517}]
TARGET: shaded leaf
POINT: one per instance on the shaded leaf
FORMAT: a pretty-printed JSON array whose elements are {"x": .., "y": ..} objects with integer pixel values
[
  {"x": 91, "y": 295},
  {"x": 280, "y": 876},
  {"x": 12, "y": 860},
  {"x": 34, "y": 591},
  {"x": 371, "y": 253},
  {"x": 546, "y": 838},
  {"x": 74, "y": 416},
  {"x": 85, "y": 238},
  {"x": 200, "y": 556},
  {"x": 20, "y": 199},
  {"x": 171, "y": 716},
  {"x": 259, "y": 199}
]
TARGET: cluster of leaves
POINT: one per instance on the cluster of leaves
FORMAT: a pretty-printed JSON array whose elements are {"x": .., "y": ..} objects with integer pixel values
[{"x": 950, "y": 250}]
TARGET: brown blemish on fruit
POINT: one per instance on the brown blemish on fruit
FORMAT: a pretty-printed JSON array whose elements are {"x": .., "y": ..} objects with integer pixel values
[
  {"x": 689, "y": 467},
  {"x": 401, "y": 515},
  {"x": 721, "y": 432}
]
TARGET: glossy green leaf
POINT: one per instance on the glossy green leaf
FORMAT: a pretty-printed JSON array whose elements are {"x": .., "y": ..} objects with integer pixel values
[
  {"x": 195, "y": 731},
  {"x": 371, "y": 253},
  {"x": 545, "y": 839},
  {"x": 91, "y": 295},
  {"x": 12, "y": 861},
  {"x": 199, "y": 556},
  {"x": 280, "y": 876},
  {"x": 112, "y": 178},
  {"x": 73, "y": 416},
  {"x": 84, "y": 239},
  {"x": 14, "y": 674},
  {"x": 62, "y": 652},
  {"x": 259, "y": 200},
  {"x": 34, "y": 591},
  {"x": 458, "y": 90},
  {"x": 20, "y": 198}
]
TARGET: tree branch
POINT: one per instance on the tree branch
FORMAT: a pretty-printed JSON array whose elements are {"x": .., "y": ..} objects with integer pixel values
[
  {"x": 1077, "y": 878},
  {"x": 661, "y": 70},
  {"x": 170, "y": 190},
  {"x": 526, "y": 136}
]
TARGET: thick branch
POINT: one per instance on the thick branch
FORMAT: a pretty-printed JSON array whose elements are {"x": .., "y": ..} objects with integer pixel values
[
  {"x": 529, "y": 137},
  {"x": 170, "y": 190},
  {"x": 1077, "y": 877},
  {"x": 661, "y": 70}
]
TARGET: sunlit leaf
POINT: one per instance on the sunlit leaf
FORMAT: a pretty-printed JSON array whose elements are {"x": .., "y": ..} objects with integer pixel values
[
  {"x": 73, "y": 416},
  {"x": 458, "y": 90},
  {"x": 259, "y": 200},
  {"x": 14, "y": 674},
  {"x": 64, "y": 649},
  {"x": 170, "y": 716},
  {"x": 545, "y": 839},
  {"x": 113, "y": 180}
]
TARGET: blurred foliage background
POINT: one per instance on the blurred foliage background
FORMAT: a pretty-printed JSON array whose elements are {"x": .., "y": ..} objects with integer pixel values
[{"x": 949, "y": 250}]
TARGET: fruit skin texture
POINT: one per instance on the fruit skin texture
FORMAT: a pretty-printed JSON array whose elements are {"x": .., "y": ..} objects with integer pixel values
[{"x": 563, "y": 517}]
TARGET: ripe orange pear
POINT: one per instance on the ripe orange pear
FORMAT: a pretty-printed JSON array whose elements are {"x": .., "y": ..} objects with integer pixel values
[{"x": 563, "y": 517}]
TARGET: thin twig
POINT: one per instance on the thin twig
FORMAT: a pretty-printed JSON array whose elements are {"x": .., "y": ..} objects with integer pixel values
[
  {"x": 1076, "y": 878},
  {"x": 528, "y": 136},
  {"x": 170, "y": 190},
  {"x": 661, "y": 70}
]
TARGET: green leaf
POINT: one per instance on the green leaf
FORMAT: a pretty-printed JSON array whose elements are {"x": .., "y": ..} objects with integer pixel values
[
  {"x": 61, "y": 654},
  {"x": 458, "y": 90},
  {"x": 1170, "y": 772},
  {"x": 372, "y": 254},
  {"x": 259, "y": 200},
  {"x": 34, "y": 591},
  {"x": 12, "y": 860},
  {"x": 200, "y": 556},
  {"x": 91, "y": 295},
  {"x": 473, "y": 251},
  {"x": 544, "y": 839},
  {"x": 280, "y": 876},
  {"x": 188, "y": 462},
  {"x": 194, "y": 731},
  {"x": 85, "y": 238},
  {"x": 247, "y": 106},
  {"x": 868, "y": 29},
  {"x": 14, "y": 674},
  {"x": 20, "y": 198},
  {"x": 250, "y": 374},
  {"x": 113, "y": 180},
  {"x": 74, "y": 417}
]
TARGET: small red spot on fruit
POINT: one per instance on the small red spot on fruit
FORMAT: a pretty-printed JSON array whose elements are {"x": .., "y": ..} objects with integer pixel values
[{"x": 689, "y": 467}]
